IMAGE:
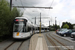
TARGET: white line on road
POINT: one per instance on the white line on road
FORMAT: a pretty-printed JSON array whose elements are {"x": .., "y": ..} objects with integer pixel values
[{"x": 39, "y": 45}]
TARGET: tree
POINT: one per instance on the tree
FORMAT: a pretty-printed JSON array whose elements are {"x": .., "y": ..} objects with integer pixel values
[
  {"x": 6, "y": 18},
  {"x": 68, "y": 23},
  {"x": 65, "y": 26}
]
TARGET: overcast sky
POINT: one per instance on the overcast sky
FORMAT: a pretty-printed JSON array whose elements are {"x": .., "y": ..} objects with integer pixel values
[{"x": 64, "y": 10}]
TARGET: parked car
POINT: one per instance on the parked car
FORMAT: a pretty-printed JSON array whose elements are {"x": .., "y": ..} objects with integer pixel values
[
  {"x": 66, "y": 32},
  {"x": 57, "y": 31},
  {"x": 60, "y": 30},
  {"x": 73, "y": 33}
]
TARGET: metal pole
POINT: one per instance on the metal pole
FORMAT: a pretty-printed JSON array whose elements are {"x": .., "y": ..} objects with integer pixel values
[
  {"x": 35, "y": 20},
  {"x": 55, "y": 23},
  {"x": 59, "y": 24},
  {"x": 49, "y": 23},
  {"x": 40, "y": 23},
  {"x": 33, "y": 7},
  {"x": 10, "y": 4}
]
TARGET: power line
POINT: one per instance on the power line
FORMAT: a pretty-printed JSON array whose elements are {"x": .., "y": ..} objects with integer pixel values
[
  {"x": 24, "y": 9},
  {"x": 21, "y": 4},
  {"x": 51, "y": 3},
  {"x": 16, "y": 3}
]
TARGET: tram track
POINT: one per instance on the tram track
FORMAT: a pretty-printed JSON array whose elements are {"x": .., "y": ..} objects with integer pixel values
[
  {"x": 14, "y": 42},
  {"x": 20, "y": 45},
  {"x": 60, "y": 42},
  {"x": 61, "y": 38},
  {"x": 9, "y": 45},
  {"x": 52, "y": 42}
]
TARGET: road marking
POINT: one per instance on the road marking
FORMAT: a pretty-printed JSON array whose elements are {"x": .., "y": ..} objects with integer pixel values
[
  {"x": 64, "y": 38},
  {"x": 39, "y": 45}
]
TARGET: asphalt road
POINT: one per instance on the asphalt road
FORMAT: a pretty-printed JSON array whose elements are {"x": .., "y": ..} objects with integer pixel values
[{"x": 57, "y": 42}]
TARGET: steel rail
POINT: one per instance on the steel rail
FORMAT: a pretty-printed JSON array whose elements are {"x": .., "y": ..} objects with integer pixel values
[
  {"x": 20, "y": 45},
  {"x": 52, "y": 42},
  {"x": 9, "y": 45}
]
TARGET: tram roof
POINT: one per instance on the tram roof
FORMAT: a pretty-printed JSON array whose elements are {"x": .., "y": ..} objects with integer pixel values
[{"x": 22, "y": 18}]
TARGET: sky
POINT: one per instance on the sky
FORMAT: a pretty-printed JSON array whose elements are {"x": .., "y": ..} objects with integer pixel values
[{"x": 63, "y": 10}]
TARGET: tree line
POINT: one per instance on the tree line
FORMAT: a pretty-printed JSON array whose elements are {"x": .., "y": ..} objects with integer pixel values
[
  {"x": 67, "y": 25},
  {"x": 6, "y": 18}
]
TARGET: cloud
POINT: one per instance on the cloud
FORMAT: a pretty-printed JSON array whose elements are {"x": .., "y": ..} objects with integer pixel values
[
  {"x": 72, "y": 21},
  {"x": 72, "y": 13},
  {"x": 64, "y": 10},
  {"x": 57, "y": 8}
]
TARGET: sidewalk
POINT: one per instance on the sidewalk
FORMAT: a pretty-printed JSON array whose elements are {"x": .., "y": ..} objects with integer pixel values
[{"x": 37, "y": 42}]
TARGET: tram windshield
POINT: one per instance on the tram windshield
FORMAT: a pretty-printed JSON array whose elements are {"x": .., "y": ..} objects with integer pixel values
[{"x": 19, "y": 26}]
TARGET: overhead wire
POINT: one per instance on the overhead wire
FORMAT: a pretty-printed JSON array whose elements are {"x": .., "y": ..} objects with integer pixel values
[
  {"x": 23, "y": 8},
  {"x": 21, "y": 4},
  {"x": 51, "y": 4},
  {"x": 49, "y": 9},
  {"x": 16, "y": 3},
  {"x": 16, "y": 0}
]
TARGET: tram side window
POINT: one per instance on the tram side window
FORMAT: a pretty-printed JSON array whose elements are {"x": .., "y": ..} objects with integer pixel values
[
  {"x": 33, "y": 28},
  {"x": 28, "y": 29}
]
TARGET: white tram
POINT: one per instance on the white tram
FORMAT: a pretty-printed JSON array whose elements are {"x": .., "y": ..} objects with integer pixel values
[{"x": 22, "y": 28}]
